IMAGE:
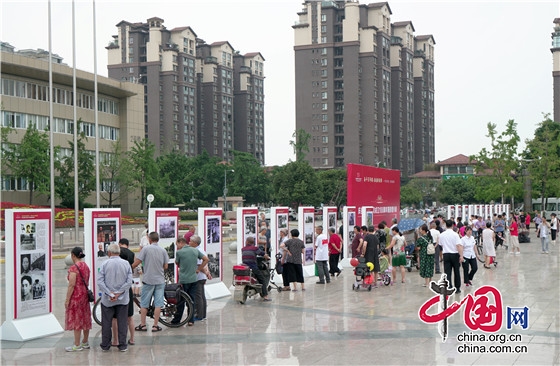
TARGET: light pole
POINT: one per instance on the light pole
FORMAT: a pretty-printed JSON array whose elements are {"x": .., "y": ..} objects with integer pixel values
[
  {"x": 225, "y": 188},
  {"x": 192, "y": 191}
]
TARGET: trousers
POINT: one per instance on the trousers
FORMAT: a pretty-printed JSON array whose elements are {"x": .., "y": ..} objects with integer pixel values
[{"x": 107, "y": 313}]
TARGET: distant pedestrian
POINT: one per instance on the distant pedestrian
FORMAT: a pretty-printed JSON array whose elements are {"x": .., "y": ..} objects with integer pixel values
[
  {"x": 469, "y": 257},
  {"x": 322, "y": 255},
  {"x": 544, "y": 233},
  {"x": 294, "y": 261},
  {"x": 488, "y": 244},
  {"x": 335, "y": 247}
]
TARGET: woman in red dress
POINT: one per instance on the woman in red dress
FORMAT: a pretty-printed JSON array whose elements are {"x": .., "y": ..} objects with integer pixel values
[{"x": 78, "y": 311}]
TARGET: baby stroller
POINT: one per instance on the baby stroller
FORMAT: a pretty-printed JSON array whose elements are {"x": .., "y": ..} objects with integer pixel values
[
  {"x": 278, "y": 269},
  {"x": 362, "y": 271},
  {"x": 384, "y": 271}
]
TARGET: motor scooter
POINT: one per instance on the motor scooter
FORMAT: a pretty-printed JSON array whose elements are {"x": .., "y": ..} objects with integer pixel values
[{"x": 246, "y": 284}]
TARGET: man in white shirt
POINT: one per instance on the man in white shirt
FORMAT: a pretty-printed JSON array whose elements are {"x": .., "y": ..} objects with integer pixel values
[
  {"x": 452, "y": 255},
  {"x": 322, "y": 255},
  {"x": 435, "y": 237},
  {"x": 553, "y": 227}
]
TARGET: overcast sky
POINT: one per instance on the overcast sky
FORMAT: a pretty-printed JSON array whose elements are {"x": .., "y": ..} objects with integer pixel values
[{"x": 493, "y": 61}]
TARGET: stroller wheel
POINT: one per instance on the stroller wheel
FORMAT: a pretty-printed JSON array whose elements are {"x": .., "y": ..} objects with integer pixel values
[
  {"x": 386, "y": 280},
  {"x": 353, "y": 287},
  {"x": 269, "y": 288},
  {"x": 369, "y": 288},
  {"x": 409, "y": 269},
  {"x": 279, "y": 289}
]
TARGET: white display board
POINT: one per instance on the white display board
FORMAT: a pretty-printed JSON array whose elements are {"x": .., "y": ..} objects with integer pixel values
[
  {"x": 279, "y": 219},
  {"x": 210, "y": 231},
  {"x": 28, "y": 287},
  {"x": 330, "y": 214},
  {"x": 247, "y": 227},
  {"x": 349, "y": 217},
  {"x": 102, "y": 227},
  {"x": 165, "y": 222},
  {"x": 367, "y": 215},
  {"x": 306, "y": 227}
]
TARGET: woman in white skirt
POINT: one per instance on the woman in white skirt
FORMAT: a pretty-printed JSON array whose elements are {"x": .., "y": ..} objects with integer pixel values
[{"x": 488, "y": 240}]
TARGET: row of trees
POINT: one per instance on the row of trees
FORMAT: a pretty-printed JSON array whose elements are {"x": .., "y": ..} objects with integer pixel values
[
  {"x": 198, "y": 181},
  {"x": 501, "y": 172}
]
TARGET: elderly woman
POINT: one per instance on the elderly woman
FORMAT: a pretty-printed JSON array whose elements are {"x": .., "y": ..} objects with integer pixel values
[
  {"x": 78, "y": 311},
  {"x": 426, "y": 260}
]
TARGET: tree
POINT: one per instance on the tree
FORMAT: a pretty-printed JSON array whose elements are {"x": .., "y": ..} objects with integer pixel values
[
  {"x": 300, "y": 143},
  {"x": 457, "y": 190},
  {"x": 502, "y": 161},
  {"x": 542, "y": 158},
  {"x": 29, "y": 160},
  {"x": 410, "y": 195},
  {"x": 249, "y": 179},
  {"x": 207, "y": 174},
  {"x": 296, "y": 184},
  {"x": 333, "y": 186},
  {"x": 144, "y": 170},
  {"x": 425, "y": 188},
  {"x": 64, "y": 182},
  {"x": 115, "y": 175}
]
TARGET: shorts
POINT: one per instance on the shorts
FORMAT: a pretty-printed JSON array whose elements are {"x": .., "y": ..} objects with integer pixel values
[
  {"x": 514, "y": 241},
  {"x": 399, "y": 260},
  {"x": 147, "y": 292}
]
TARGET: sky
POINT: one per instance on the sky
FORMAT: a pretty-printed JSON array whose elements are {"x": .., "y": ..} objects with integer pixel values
[{"x": 492, "y": 58}]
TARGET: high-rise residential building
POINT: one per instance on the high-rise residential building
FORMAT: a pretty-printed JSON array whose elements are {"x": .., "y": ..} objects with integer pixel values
[
  {"x": 24, "y": 90},
  {"x": 190, "y": 88},
  {"x": 556, "y": 68},
  {"x": 364, "y": 87}
]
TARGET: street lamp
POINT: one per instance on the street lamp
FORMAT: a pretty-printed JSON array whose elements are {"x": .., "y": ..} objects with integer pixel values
[
  {"x": 150, "y": 199},
  {"x": 225, "y": 188}
]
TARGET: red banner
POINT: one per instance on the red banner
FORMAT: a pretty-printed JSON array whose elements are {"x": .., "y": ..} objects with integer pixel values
[{"x": 377, "y": 187}]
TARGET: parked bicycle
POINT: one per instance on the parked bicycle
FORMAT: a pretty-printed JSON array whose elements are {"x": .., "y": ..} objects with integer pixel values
[{"x": 168, "y": 310}]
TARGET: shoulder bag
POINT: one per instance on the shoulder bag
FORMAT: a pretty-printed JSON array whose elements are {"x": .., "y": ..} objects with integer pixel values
[{"x": 91, "y": 296}]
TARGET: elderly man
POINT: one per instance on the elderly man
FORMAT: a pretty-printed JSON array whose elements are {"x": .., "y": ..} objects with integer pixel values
[
  {"x": 114, "y": 279},
  {"x": 155, "y": 260},
  {"x": 186, "y": 259},
  {"x": 189, "y": 233},
  {"x": 322, "y": 256},
  {"x": 249, "y": 257}
]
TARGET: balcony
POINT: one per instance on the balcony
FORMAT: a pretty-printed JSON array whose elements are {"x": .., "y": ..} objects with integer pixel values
[
  {"x": 245, "y": 69},
  {"x": 211, "y": 60}
]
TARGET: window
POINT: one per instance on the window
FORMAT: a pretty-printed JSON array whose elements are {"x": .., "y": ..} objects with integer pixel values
[
  {"x": 323, "y": 17},
  {"x": 324, "y": 106},
  {"x": 325, "y": 139}
]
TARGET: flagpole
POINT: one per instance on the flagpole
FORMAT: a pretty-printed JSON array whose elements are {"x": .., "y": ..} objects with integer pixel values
[
  {"x": 74, "y": 91},
  {"x": 97, "y": 178},
  {"x": 51, "y": 127}
]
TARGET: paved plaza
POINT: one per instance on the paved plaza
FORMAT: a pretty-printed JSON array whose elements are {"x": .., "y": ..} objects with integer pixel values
[{"x": 333, "y": 325}]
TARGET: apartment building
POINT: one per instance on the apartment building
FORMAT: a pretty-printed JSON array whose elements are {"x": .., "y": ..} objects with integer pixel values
[
  {"x": 364, "y": 87},
  {"x": 25, "y": 93},
  {"x": 191, "y": 91}
]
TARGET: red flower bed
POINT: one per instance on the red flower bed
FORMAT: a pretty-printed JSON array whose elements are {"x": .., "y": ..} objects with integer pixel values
[{"x": 63, "y": 217}]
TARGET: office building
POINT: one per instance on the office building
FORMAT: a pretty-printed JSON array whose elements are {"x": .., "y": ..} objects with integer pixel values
[
  {"x": 195, "y": 97},
  {"x": 364, "y": 87},
  {"x": 25, "y": 99}
]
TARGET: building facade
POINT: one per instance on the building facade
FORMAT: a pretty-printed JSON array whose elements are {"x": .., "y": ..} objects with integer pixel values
[
  {"x": 192, "y": 89},
  {"x": 25, "y": 99},
  {"x": 364, "y": 87}
]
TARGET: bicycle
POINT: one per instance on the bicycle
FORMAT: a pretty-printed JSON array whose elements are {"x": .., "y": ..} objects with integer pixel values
[{"x": 167, "y": 313}]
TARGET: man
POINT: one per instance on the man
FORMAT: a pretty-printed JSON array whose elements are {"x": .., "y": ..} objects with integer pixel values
[
  {"x": 528, "y": 221},
  {"x": 438, "y": 254},
  {"x": 295, "y": 248},
  {"x": 499, "y": 229},
  {"x": 128, "y": 256},
  {"x": 189, "y": 234},
  {"x": 452, "y": 255},
  {"x": 201, "y": 278},
  {"x": 186, "y": 260},
  {"x": 155, "y": 260},
  {"x": 514, "y": 235},
  {"x": 393, "y": 224},
  {"x": 322, "y": 256},
  {"x": 370, "y": 251},
  {"x": 249, "y": 255},
  {"x": 114, "y": 280},
  {"x": 335, "y": 247}
]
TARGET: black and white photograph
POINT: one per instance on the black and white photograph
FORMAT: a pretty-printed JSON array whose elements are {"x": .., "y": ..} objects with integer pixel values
[
  {"x": 250, "y": 225},
  {"x": 308, "y": 218},
  {"x": 308, "y": 238},
  {"x": 214, "y": 265},
  {"x": 170, "y": 272},
  {"x": 27, "y": 239},
  {"x": 282, "y": 221},
  {"x": 26, "y": 287},
  {"x": 38, "y": 262},
  {"x": 170, "y": 250},
  {"x": 25, "y": 263},
  {"x": 166, "y": 228},
  {"x": 38, "y": 289},
  {"x": 332, "y": 219},
  {"x": 213, "y": 230},
  {"x": 308, "y": 255}
]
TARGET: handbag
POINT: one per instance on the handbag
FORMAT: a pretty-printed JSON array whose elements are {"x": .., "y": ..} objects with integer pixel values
[
  {"x": 90, "y": 295},
  {"x": 431, "y": 249}
]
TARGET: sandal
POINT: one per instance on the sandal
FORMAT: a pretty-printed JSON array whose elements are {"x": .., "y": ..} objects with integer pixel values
[
  {"x": 156, "y": 328},
  {"x": 131, "y": 342},
  {"x": 190, "y": 324},
  {"x": 141, "y": 328}
]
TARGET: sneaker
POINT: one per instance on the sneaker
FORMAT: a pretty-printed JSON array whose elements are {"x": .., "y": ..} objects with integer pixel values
[
  {"x": 546, "y": 252},
  {"x": 123, "y": 350},
  {"x": 466, "y": 284},
  {"x": 85, "y": 345},
  {"x": 74, "y": 348},
  {"x": 517, "y": 253},
  {"x": 511, "y": 253},
  {"x": 322, "y": 282},
  {"x": 542, "y": 252}
]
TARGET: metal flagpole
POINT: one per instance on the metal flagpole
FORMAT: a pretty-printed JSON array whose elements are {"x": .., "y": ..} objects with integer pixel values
[
  {"x": 97, "y": 178},
  {"x": 76, "y": 198},
  {"x": 51, "y": 124}
]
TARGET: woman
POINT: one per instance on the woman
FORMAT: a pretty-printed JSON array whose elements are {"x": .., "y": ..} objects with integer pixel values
[
  {"x": 488, "y": 241},
  {"x": 426, "y": 260},
  {"x": 469, "y": 257},
  {"x": 399, "y": 258},
  {"x": 543, "y": 233},
  {"x": 26, "y": 293},
  {"x": 78, "y": 311}
]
